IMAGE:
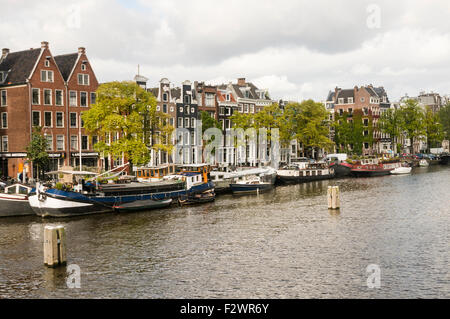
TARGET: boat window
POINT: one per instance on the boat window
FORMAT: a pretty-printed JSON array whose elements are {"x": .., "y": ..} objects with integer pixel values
[
  {"x": 11, "y": 190},
  {"x": 308, "y": 173},
  {"x": 319, "y": 173},
  {"x": 23, "y": 190}
]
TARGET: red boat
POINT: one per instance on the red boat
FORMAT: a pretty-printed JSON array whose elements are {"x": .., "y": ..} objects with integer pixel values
[{"x": 373, "y": 167}]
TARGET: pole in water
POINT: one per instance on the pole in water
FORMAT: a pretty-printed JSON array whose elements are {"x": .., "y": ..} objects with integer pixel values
[
  {"x": 333, "y": 199},
  {"x": 54, "y": 246}
]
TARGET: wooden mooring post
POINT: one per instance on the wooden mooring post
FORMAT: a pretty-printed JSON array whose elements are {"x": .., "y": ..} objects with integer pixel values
[
  {"x": 54, "y": 246},
  {"x": 333, "y": 195}
]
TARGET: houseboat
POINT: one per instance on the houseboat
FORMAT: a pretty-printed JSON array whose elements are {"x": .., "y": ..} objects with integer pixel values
[
  {"x": 340, "y": 165},
  {"x": 304, "y": 172},
  {"x": 14, "y": 201},
  {"x": 93, "y": 197},
  {"x": 374, "y": 167},
  {"x": 253, "y": 185},
  {"x": 223, "y": 180}
]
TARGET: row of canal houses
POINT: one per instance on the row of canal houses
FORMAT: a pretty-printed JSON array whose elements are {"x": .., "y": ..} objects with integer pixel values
[
  {"x": 184, "y": 105},
  {"x": 40, "y": 89}
]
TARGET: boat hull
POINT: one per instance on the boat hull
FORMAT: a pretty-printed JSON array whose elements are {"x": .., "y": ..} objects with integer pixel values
[
  {"x": 302, "y": 179},
  {"x": 401, "y": 171},
  {"x": 445, "y": 160},
  {"x": 56, "y": 203},
  {"x": 14, "y": 205},
  {"x": 342, "y": 169},
  {"x": 143, "y": 205},
  {"x": 250, "y": 188},
  {"x": 370, "y": 173}
]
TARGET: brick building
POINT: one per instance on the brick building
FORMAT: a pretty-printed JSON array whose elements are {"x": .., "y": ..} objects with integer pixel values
[{"x": 39, "y": 89}]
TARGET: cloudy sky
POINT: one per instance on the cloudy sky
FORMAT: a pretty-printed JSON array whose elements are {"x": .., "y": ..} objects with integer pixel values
[{"x": 296, "y": 49}]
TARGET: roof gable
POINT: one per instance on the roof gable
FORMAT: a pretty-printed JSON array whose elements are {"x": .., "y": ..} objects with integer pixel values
[
  {"x": 66, "y": 63},
  {"x": 19, "y": 65}
]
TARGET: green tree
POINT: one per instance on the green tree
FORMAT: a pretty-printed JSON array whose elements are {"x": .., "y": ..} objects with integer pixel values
[
  {"x": 444, "y": 119},
  {"x": 433, "y": 128},
  {"x": 208, "y": 122},
  {"x": 37, "y": 151},
  {"x": 126, "y": 110},
  {"x": 412, "y": 121},
  {"x": 390, "y": 123},
  {"x": 311, "y": 125}
]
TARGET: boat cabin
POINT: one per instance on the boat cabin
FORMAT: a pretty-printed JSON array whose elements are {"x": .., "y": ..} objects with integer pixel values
[
  {"x": 203, "y": 169},
  {"x": 155, "y": 173},
  {"x": 17, "y": 189}
]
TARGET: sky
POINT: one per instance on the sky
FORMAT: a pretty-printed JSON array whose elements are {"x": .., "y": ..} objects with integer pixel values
[{"x": 296, "y": 49}]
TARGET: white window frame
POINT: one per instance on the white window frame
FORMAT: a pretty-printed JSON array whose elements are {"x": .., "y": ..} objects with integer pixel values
[
  {"x": 1, "y": 98},
  {"x": 56, "y": 119},
  {"x": 187, "y": 121},
  {"x": 87, "y": 101},
  {"x": 62, "y": 97},
  {"x": 76, "y": 99},
  {"x": 51, "y": 118},
  {"x": 341, "y": 100},
  {"x": 83, "y": 77},
  {"x": 180, "y": 122},
  {"x": 47, "y": 72},
  {"x": 39, "y": 96},
  {"x": 87, "y": 145},
  {"x": 350, "y": 100},
  {"x": 47, "y": 90},
  {"x": 76, "y": 120},
  {"x": 32, "y": 118},
  {"x": 90, "y": 97},
  {"x": 5, "y": 138},
  {"x": 50, "y": 144},
  {"x": 70, "y": 146},
  {"x": 5, "y": 126}
]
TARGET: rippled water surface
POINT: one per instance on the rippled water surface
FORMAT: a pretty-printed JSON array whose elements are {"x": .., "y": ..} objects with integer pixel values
[{"x": 282, "y": 244}]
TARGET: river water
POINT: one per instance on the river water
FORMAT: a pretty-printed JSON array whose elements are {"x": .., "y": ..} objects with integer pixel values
[{"x": 282, "y": 244}]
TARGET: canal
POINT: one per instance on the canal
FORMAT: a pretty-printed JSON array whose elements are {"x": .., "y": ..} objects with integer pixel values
[{"x": 282, "y": 244}]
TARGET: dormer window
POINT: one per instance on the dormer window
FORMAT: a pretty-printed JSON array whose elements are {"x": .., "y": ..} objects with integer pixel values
[
  {"x": 350, "y": 100},
  {"x": 341, "y": 101}
]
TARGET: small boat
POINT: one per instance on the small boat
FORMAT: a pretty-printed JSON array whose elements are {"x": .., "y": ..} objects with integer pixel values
[
  {"x": 340, "y": 165},
  {"x": 373, "y": 167},
  {"x": 142, "y": 205},
  {"x": 205, "y": 197},
  {"x": 401, "y": 170},
  {"x": 223, "y": 180},
  {"x": 304, "y": 172},
  {"x": 424, "y": 163},
  {"x": 14, "y": 201},
  {"x": 251, "y": 186}
]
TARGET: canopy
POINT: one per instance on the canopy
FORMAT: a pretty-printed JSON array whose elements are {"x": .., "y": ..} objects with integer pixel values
[{"x": 72, "y": 173}]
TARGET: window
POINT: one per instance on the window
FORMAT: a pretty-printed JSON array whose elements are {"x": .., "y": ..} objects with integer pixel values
[
  {"x": 350, "y": 100},
  {"x": 181, "y": 109},
  {"x": 222, "y": 110},
  {"x": 209, "y": 99},
  {"x": 48, "y": 119},
  {"x": 252, "y": 108},
  {"x": 47, "y": 97},
  {"x": 94, "y": 140},
  {"x": 366, "y": 122},
  {"x": 59, "y": 97},
  {"x": 74, "y": 143},
  {"x": 49, "y": 139},
  {"x": 245, "y": 108},
  {"x": 165, "y": 97},
  {"x": 363, "y": 99},
  {"x": 59, "y": 119},
  {"x": 93, "y": 98},
  {"x": 171, "y": 121},
  {"x": 366, "y": 146},
  {"x": 5, "y": 143},
  {"x": 83, "y": 99},
  {"x": 4, "y": 120},
  {"x": 192, "y": 110},
  {"x": 3, "y": 101},
  {"x": 180, "y": 122},
  {"x": 36, "y": 118},
  {"x": 366, "y": 111},
  {"x": 366, "y": 133},
  {"x": 73, "y": 120},
  {"x": 36, "y": 95},
  {"x": 186, "y": 122},
  {"x": 83, "y": 67},
  {"x": 350, "y": 111},
  {"x": 228, "y": 97},
  {"x": 47, "y": 63},
  {"x": 341, "y": 111},
  {"x": 193, "y": 122},
  {"x": 165, "y": 108},
  {"x": 171, "y": 109},
  {"x": 187, "y": 99},
  {"x": 341, "y": 101},
  {"x": 72, "y": 98},
  {"x": 46, "y": 76},
  {"x": 60, "y": 142},
  {"x": 187, "y": 110},
  {"x": 83, "y": 79},
  {"x": 228, "y": 111},
  {"x": 84, "y": 143}
]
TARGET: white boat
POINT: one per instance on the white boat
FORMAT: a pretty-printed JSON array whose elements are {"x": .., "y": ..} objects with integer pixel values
[
  {"x": 401, "y": 170},
  {"x": 424, "y": 163},
  {"x": 223, "y": 180},
  {"x": 14, "y": 201}
]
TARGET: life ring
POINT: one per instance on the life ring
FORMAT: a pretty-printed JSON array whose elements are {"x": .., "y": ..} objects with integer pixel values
[{"x": 42, "y": 197}]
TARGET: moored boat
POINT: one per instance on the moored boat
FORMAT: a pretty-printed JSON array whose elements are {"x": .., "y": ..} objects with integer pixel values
[
  {"x": 222, "y": 180},
  {"x": 253, "y": 185},
  {"x": 14, "y": 201},
  {"x": 401, "y": 170},
  {"x": 340, "y": 165},
  {"x": 97, "y": 198},
  {"x": 304, "y": 172},
  {"x": 424, "y": 163},
  {"x": 143, "y": 205},
  {"x": 201, "y": 198},
  {"x": 373, "y": 167}
]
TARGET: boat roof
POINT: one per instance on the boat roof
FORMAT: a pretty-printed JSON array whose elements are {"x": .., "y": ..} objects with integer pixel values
[
  {"x": 71, "y": 173},
  {"x": 341, "y": 157}
]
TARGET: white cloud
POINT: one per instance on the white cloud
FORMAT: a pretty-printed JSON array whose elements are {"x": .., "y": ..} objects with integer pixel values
[{"x": 296, "y": 49}]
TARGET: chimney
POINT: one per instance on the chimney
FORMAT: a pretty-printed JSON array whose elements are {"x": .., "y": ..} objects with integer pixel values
[
  {"x": 241, "y": 81},
  {"x": 5, "y": 52},
  {"x": 81, "y": 50},
  {"x": 336, "y": 91},
  {"x": 44, "y": 45}
]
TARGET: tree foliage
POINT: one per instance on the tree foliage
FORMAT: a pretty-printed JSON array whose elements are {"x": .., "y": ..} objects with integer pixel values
[
  {"x": 444, "y": 119},
  {"x": 433, "y": 128},
  {"x": 126, "y": 110},
  {"x": 37, "y": 150}
]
